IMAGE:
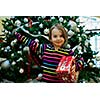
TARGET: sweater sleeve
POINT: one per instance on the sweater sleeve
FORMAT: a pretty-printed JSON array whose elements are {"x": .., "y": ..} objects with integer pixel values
[
  {"x": 79, "y": 61},
  {"x": 33, "y": 44}
]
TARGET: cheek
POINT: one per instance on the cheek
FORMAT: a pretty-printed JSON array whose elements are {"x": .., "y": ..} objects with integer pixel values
[
  {"x": 63, "y": 39},
  {"x": 53, "y": 39}
]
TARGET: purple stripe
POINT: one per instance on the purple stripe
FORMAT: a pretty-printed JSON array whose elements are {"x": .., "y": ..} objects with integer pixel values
[
  {"x": 51, "y": 61},
  {"x": 56, "y": 54}
]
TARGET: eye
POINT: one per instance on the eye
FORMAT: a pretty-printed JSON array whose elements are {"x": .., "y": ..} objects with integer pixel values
[
  {"x": 61, "y": 35},
  {"x": 55, "y": 36}
]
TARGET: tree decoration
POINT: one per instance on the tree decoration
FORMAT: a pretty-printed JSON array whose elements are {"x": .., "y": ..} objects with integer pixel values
[
  {"x": 70, "y": 33},
  {"x": 6, "y": 64},
  {"x": 72, "y": 25},
  {"x": 21, "y": 70},
  {"x": 41, "y": 25},
  {"x": 46, "y": 31},
  {"x": 61, "y": 19},
  {"x": 18, "y": 23},
  {"x": 26, "y": 20}
]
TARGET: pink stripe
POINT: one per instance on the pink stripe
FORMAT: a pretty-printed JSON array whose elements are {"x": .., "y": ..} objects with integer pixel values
[
  {"x": 50, "y": 57},
  {"x": 50, "y": 76},
  {"x": 51, "y": 80}
]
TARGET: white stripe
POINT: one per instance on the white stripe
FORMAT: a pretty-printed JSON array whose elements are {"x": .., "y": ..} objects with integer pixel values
[{"x": 48, "y": 68}]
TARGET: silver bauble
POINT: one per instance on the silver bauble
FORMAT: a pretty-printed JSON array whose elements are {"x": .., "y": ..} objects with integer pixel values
[{"x": 5, "y": 64}]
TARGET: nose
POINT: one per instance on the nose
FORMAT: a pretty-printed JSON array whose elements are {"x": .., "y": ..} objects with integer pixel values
[{"x": 58, "y": 38}]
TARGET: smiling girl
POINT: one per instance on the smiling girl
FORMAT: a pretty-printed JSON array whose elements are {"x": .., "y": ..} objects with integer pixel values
[{"x": 50, "y": 54}]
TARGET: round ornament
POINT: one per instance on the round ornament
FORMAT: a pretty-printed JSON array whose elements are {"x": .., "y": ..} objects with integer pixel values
[
  {"x": 46, "y": 31},
  {"x": 41, "y": 25},
  {"x": 5, "y": 64},
  {"x": 25, "y": 20},
  {"x": 21, "y": 70}
]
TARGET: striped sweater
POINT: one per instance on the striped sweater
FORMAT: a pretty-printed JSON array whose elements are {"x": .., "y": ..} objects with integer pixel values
[{"x": 50, "y": 58}]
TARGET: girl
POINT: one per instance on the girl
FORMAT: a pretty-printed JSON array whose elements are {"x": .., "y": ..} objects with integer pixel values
[{"x": 50, "y": 54}]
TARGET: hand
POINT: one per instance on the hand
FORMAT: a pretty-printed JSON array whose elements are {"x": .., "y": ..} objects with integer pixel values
[{"x": 39, "y": 76}]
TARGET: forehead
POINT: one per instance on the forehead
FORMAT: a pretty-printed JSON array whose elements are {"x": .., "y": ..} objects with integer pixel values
[{"x": 56, "y": 31}]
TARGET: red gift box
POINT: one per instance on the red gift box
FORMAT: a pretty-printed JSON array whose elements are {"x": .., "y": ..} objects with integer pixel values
[{"x": 66, "y": 69}]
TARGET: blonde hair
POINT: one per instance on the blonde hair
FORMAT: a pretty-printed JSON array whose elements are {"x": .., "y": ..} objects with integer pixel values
[{"x": 62, "y": 29}]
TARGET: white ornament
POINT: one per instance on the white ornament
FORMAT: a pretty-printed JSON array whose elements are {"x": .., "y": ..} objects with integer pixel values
[
  {"x": 39, "y": 18},
  {"x": 79, "y": 48},
  {"x": 6, "y": 31},
  {"x": 13, "y": 63},
  {"x": 80, "y": 39},
  {"x": 26, "y": 25},
  {"x": 88, "y": 60},
  {"x": 25, "y": 20},
  {"x": 9, "y": 33},
  {"x": 46, "y": 31},
  {"x": 40, "y": 75},
  {"x": 20, "y": 46},
  {"x": 77, "y": 29},
  {"x": 65, "y": 21},
  {"x": 13, "y": 42},
  {"x": 7, "y": 23},
  {"x": 73, "y": 25},
  {"x": 66, "y": 29},
  {"x": 19, "y": 52},
  {"x": 41, "y": 25},
  {"x": 5, "y": 39},
  {"x": 70, "y": 33},
  {"x": 94, "y": 56},
  {"x": 26, "y": 48},
  {"x": 39, "y": 33},
  {"x": 98, "y": 57},
  {"x": 84, "y": 35},
  {"x": 12, "y": 55},
  {"x": 17, "y": 23},
  {"x": 68, "y": 46},
  {"x": 91, "y": 64},
  {"x": 78, "y": 35},
  {"x": 2, "y": 48},
  {"x": 5, "y": 64},
  {"x": 8, "y": 47},
  {"x": 61, "y": 19},
  {"x": 85, "y": 49},
  {"x": 20, "y": 59},
  {"x": 5, "y": 50},
  {"x": 80, "y": 52},
  {"x": 21, "y": 70},
  {"x": 43, "y": 17},
  {"x": 52, "y": 17}
]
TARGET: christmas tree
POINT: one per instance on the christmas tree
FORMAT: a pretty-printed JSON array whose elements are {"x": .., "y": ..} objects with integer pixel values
[{"x": 18, "y": 66}]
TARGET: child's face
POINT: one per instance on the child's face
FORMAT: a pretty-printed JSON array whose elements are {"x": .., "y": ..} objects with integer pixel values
[{"x": 57, "y": 38}]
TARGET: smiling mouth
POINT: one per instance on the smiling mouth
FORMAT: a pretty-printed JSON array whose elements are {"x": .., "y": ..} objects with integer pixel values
[{"x": 58, "y": 42}]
